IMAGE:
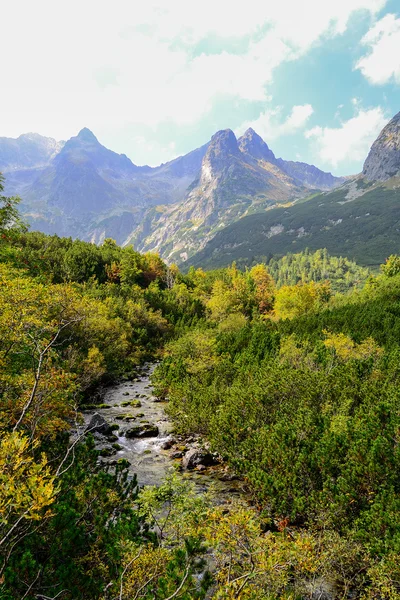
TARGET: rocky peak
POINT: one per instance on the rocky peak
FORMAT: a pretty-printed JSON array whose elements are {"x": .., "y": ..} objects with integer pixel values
[
  {"x": 85, "y": 135},
  {"x": 223, "y": 143},
  {"x": 29, "y": 150},
  {"x": 221, "y": 153},
  {"x": 85, "y": 149},
  {"x": 383, "y": 160},
  {"x": 251, "y": 143}
]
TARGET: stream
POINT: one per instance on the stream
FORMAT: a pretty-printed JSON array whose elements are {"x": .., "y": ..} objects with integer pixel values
[{"x": 132, "y": 404}]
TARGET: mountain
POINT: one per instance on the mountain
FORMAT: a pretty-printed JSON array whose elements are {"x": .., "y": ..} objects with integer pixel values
[
  {"x": 23, "y": 158},
  {"x": 84, "y": 177},
  {"x": 253, "y": 145},
  {"x": 309, "y": 175},
  {"x": 83, "y": 189},
  {"x": 360, "y": 219},
  {"x": 237, "y": 177},
  {"x": 29, "y": 150}
]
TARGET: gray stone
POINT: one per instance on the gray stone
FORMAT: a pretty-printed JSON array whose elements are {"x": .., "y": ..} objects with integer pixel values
[
  {"x": 140, "y": 431},
  {"x": 194, "y": 458},
  {"x": 167, "y": 445},
  {"x": 176, "y": 454},
  {"x": 98, "y": 424}
]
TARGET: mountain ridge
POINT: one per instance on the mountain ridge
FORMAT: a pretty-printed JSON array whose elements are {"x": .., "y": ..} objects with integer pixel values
[{"x": 83, "y": 189}]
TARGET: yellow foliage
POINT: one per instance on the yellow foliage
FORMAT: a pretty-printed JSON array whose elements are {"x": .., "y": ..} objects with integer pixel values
[
  {"x": 296, "y": 353},
  {"x": 93, "y": 367},
  {"x": 232, "y": 323},
  {"x": 251, "y": 564},
  {"x": 143, "y": 566},
  {"x": 295, "y": 300},
  {"x": 26, "y": 487},
  {"x": 345, "y": 349},
  {"x": 197, "y": 349}
]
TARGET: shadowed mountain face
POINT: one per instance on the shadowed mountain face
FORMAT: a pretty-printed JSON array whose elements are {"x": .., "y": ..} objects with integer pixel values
[
  {"x": 81, "y": 188},
  {"x": 360, "y": 219}
]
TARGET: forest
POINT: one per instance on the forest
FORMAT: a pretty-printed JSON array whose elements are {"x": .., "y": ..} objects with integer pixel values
[{"x": 289, "y": 369}]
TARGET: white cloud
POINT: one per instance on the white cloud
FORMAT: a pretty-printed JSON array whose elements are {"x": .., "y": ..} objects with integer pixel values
[
  {"x": 79, "y": 64},
  {"x": 297, "y": 118},
  {"x": 352, "y": 140},
  {"x": 382, "y": 63},
  {"x": 270, "y": 126}
]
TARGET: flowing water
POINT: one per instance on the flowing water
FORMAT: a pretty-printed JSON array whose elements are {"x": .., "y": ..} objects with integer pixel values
[{"x": 147, "y": 458}]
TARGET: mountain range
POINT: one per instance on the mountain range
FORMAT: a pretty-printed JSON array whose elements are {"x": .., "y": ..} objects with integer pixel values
[
  {"x": 230, "y": 199},
  {"x": 80, "y": 188}
]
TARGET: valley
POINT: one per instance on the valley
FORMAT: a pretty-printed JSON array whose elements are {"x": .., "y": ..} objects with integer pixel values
[
  {"x": 200, "y": 300},
  {"x": 273, "y": 401}
]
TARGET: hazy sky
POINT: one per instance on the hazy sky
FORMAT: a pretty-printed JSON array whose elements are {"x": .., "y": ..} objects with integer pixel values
[{"x": 317, "y": 79}]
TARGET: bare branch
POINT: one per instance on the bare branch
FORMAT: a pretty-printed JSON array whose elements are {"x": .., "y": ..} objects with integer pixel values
[
  {"x": 174, "y": 595},
  {"x": 125, "y": 570}
]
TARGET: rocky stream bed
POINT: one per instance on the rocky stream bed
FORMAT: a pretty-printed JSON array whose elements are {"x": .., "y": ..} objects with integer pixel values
[{"x": 131, "y": 423}]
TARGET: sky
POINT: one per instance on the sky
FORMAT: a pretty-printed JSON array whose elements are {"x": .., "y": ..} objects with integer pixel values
[{"x": 154, "y": 79}]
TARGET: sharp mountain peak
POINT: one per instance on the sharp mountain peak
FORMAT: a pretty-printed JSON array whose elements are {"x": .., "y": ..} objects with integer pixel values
[
  {"x": 87, "y": 135},
  {"x": 251, "y": 143}
]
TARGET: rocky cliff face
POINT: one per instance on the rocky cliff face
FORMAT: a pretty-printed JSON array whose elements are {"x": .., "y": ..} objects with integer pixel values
[{"x": 383, "y": 161}]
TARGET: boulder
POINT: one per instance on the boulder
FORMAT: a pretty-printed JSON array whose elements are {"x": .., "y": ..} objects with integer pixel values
[
  {"x": 140, "y": 431},
  {"x": 98, "y": 424},
  {"x": 177, "y": 454},
  {"x": 195, "y": 457}
]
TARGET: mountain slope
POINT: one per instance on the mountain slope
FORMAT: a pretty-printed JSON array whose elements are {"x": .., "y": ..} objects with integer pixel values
[
  {"x": 303, "y": 174},
  {"x": 365, "y": 229},
  {"x": 309, "y": 175},
  {"x": 85, "y": 189},
  {"x": 360, "y": 219}
]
